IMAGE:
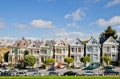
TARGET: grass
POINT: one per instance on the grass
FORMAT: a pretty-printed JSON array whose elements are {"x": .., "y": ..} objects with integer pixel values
[{"x": 59, "y": 77}]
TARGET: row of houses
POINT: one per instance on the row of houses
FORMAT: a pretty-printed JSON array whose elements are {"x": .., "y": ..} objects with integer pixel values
[{"x": 63, "y": 48}]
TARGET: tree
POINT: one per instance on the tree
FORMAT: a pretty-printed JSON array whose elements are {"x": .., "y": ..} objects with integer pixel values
[
  {"x": 49, "y": 61},
  {"x": 108, "y": 32},
  {"x": 30, "y": 60},
  {"x": 69, "y": 60},
  {"x": 85, "y": 59},
  {"x": 106, "y": 59}
]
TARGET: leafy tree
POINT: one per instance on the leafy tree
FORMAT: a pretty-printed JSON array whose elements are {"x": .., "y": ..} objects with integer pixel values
[
  {"x": 106, "y": 59},
  {"x": 30, "y": 60},
  {"x": 49, "y": 61},
  {"x": 85, "y": 41},
  {"x": 1, "y": 57},
  {"x": 85, "y": 59},
  {"x": 69, "y": 60},
  {"x": 108, "y": 32}
]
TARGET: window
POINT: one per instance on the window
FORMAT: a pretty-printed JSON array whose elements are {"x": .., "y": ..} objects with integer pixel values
[
  {"x": 76, "y": 43},
  {"x": 107, "y": 49},
  {"x": 44, "y": 51},
  {"x": 90, "y": 49},
  {"x": 33, "y": 45},
  {"x": 79, "y": 49},
  {"x": 93, "y": 42},
  {"x": 72, "y": 49}
]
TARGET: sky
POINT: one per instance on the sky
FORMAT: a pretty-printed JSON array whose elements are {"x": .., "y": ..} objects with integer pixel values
[{"x": 52, "y": 19}]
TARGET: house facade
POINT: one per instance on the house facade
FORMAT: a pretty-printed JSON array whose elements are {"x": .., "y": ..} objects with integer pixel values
[
  {"x": 110, "y": 48},
  {"x": 93, "y": 50},
  {"x": 17, "y": 51},
  {"x": 34, "y": 49},
  {"x": 61, "y": 51},
  {"x": 76, "y": 51},
  {"x": 47, "y": 50}
]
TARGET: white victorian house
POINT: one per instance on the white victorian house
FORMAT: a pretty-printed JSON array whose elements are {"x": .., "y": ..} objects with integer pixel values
[
  {"x": 76, "y": 50},
  {"x": 46, "y": 50},
  {"x": 61, "y": 51},
  {"x": 110, "y": 48},
  {"x": 34, "y": 49},
  {"x": 93, "y": 50}
]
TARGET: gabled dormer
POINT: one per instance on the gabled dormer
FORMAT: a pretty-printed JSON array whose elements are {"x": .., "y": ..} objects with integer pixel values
[
  {"x": 93, "y": 41},
  {"x": 76, "y": 42},
  {"x": 62, "y": 43},
  {"x": 35, "y": 44},
  {"x": 111, "y": 40}
]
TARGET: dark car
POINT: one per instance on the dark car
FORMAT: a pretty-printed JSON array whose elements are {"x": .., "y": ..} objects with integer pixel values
[
  {"x": 69, "y": 73},
  {"x": 52, "y": 73},
  {"x": 7, "y": 73},
  {"x": 51, "y": 69},
  {"x": 33, "y": 70},
  {"x": 109, "y": 67},
  {"x": 111, "y": 72}
]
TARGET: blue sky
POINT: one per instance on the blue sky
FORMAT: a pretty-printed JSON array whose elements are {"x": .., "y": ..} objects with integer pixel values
[{"x": 58, "y": 18}]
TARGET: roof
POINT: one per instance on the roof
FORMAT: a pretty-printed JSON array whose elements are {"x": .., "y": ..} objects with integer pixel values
[
  {"x": 107, "y": 39},
  {"x": 24, "y": 43}
]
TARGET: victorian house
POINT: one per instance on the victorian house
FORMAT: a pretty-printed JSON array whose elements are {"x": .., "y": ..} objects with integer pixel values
[
  {"x": 76, "y": 51},
  {"x": 61, "y": 51},
  {"x": 46, "y": 50},
  {"x": 17, "y": 51},
  {"x": 110, "y": 48},
  {"x": 93, "y": 49},
  {"x": 34, "y": 49}
]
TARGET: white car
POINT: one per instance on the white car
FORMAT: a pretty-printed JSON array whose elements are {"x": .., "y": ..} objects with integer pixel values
[{"x": 90, "y": 73}]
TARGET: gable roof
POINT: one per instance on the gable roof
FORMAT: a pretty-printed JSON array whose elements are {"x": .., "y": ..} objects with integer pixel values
[
  {"x": 111, "y": 40},
  {"x": 24, "y": 43},
  {"x": 49, "y": 43},
  {"x": 36, "y": 43},
  {"x": 92, "y": 39},
  {"x": 62, "y": 43},
  {"x": 73, "y": 42}
]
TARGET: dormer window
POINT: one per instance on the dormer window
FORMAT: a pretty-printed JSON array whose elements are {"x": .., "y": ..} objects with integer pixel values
[
  {"x": 93, "y": 42},
  {"x": 76, "y": 43},
  {"x": 33, "y": 45}
]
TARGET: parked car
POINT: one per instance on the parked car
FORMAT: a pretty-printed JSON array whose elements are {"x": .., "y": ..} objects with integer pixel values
[
  {"x": 92, "y": 66},
  {"x": 51, "y": 69},
  {"x": 21, "y": 73},
  {"x": 109, "y": 67},
  {"x": 68, "y": 73},
  {"x": 7, "y": 73},
  {"x": 34, "y": 74},
  {"x": 52, "y": 73},
  {"x": 89, "y": 73},
  {"x": 111, "y": 72},
  {"x": 33, "y": 70}
]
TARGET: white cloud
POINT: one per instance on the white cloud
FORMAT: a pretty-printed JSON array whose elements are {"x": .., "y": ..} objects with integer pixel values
[
  {"x": 76, "y": 15},
  {"x": 72, "y": 35},
  {"x": 39, "y": 23},
  {"x": 92, "y": 1},
  {"x": 21, "y": 26},
  {"x": 2, "y": 24},
  {"x": 112, "y": 3},
  {"x": 74, "y": 24},
  {"x": 114, "y": 21}
]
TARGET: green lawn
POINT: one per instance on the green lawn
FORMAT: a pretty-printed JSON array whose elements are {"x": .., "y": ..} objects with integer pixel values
[{"x": 59, "y": 77}]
